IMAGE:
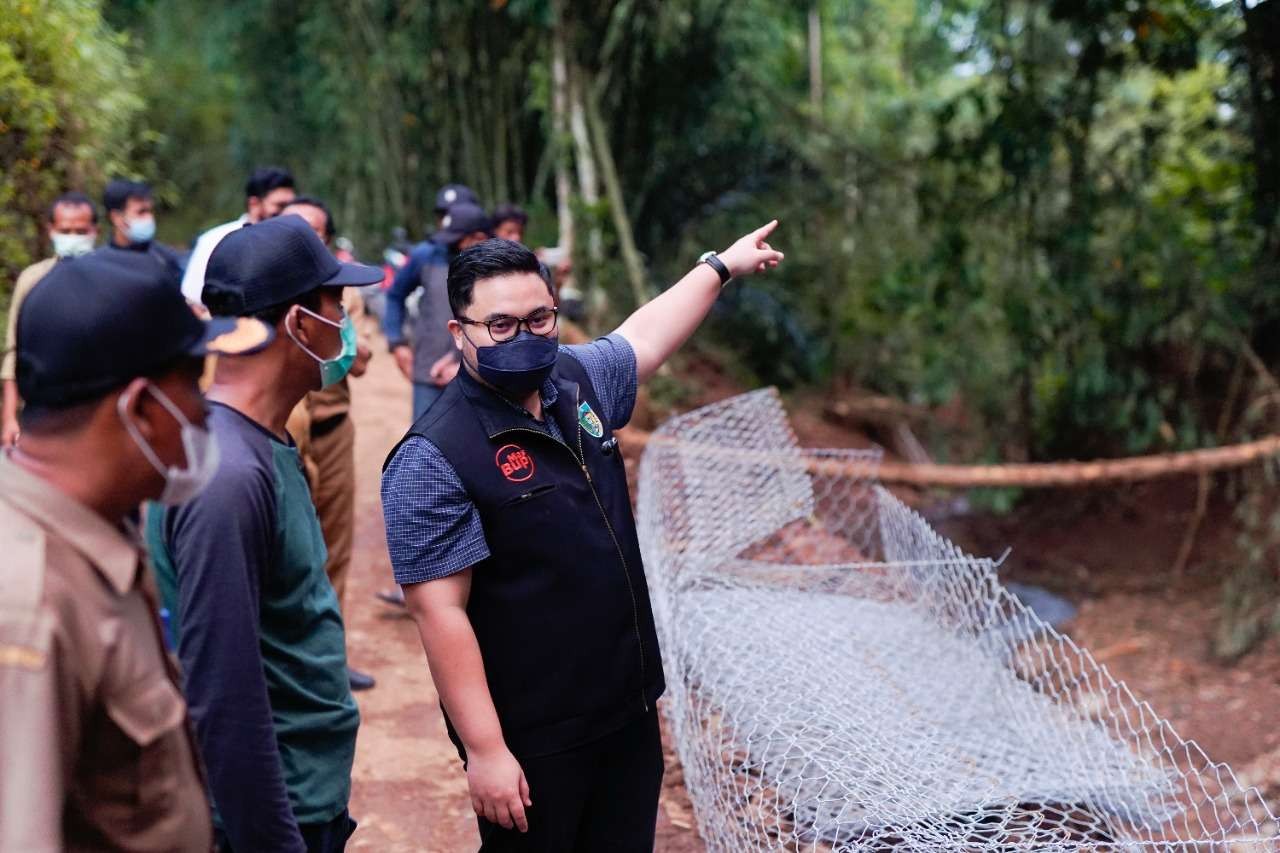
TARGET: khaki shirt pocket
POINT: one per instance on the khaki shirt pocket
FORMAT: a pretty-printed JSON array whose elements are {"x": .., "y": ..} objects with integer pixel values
[{"x": 150, "y": 717}]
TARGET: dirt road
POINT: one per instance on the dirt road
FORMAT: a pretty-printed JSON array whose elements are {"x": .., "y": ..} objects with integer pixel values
[{"x": 409, "y": 790}]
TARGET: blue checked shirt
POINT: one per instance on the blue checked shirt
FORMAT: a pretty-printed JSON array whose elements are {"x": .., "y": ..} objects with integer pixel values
[{"x": 433, "y": 527}]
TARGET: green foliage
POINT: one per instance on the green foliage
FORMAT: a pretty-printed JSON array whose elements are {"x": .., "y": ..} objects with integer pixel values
[
  {"x": 1050, "y": 216},
  {"x": 68, "y": 94}
]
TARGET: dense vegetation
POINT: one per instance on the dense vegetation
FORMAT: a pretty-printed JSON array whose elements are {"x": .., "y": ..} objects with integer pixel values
[{"x": 1059, "y": 218}]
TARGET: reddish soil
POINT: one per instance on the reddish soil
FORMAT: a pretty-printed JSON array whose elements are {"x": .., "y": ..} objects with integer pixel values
[{"x": 1109, "y": 553}]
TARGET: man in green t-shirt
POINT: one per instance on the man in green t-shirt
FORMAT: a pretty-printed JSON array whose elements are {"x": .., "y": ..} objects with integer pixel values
[{"x": 256, "y": 621}]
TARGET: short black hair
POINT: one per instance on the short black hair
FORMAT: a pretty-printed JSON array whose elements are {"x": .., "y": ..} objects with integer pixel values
[
  {"x": 509, "y": 213},
  {"x": 492, "y": 258},
  {"x": 265, "y": 179},
  {"x": 74, "y": 198},
  {"x": 330, "y": 227},
  {"x": 119, "y": 191}
]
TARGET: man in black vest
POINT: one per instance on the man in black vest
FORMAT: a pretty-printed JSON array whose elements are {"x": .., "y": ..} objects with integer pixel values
[{"x": 509, "y": 525}]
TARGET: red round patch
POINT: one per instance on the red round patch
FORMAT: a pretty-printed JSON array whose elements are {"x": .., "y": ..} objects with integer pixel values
[{"x": 514, "y": 462}]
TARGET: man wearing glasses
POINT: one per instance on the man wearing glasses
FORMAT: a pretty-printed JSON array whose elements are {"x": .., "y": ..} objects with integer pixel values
[{"x": 510, "y": 529}]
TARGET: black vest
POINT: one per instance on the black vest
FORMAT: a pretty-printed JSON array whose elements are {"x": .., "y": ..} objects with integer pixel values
[{"x": 560, "y": 607}]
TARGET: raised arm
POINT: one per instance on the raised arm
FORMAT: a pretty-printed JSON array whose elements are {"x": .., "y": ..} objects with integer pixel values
[
  {"x": 499, "y": 792},
  {"x": 660, "y": 326}
]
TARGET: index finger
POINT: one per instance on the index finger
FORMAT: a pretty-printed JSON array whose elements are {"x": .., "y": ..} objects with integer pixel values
[{"x": 765, "y": 230}]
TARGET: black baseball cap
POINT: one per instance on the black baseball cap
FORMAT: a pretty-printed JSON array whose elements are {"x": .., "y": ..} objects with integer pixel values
[
  {"x": 462, "y": 219},
  {"x": 272, "y": 262},
  {"x": 97, "y": 322},
  {"x": 451, "y": 194}
]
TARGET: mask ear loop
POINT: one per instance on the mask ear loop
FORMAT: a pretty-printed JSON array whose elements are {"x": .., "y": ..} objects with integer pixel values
[
  {"x": 122, "y": 409},
  {"x": 288, "y": 331}
]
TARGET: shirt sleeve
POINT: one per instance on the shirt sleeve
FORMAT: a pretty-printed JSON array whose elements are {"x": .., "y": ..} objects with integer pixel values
[
  {"x": 39, "y": 732},
  {"x": 27, "y": 280},
  {"x": 221, "y": 544},
  {"x": 610, "y": 363},
  {"x": 433, "y": 527},
  {"x": 405, "y": 282}
]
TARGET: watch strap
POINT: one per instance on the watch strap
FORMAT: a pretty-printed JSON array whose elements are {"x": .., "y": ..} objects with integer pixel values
[{"x": 716, "y": 264}]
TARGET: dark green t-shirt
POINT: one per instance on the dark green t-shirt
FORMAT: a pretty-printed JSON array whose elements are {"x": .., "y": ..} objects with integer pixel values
[{"x": 260, "y": 636}]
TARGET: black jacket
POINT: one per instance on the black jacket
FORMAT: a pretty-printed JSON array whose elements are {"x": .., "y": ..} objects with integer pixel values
[{"x": 560, "y": 607}]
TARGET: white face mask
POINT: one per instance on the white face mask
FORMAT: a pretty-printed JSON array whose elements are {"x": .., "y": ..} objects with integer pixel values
[
  {"x": 198, "y": 445},
  {"x": 72, "y": 245}
]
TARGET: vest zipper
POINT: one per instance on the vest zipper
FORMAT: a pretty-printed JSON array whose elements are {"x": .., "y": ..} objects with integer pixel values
[
  {"x": 626, "y": 571},
  {"x": 635, "y": 607}
]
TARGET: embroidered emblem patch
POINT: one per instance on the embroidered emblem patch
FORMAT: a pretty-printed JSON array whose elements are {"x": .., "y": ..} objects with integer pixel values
[
  {"x": 590, "y": 421},
  {"x": 514, "y": 462}
]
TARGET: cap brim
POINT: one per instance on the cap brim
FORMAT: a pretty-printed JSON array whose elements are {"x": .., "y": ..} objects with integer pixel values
[
  {"x": 355, "y": 275},
  {"x": 232, "y": 336},
  {"x": 448, "y": 236}
]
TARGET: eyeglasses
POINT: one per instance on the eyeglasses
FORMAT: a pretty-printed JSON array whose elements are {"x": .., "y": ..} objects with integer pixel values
[{"x": 502, "y": 329}]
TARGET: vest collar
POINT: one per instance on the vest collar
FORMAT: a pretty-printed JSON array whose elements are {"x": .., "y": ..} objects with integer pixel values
[{"x": 498, "y": 415}]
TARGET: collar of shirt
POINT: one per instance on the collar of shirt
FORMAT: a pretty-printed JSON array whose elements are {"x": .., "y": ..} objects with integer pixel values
[
  {"x": 103, "y": 545},
  {"x": 549, "y": 395}
]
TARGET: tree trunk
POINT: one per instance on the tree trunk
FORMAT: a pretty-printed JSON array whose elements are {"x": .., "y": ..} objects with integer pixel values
[
  {"x": 588, "y": 182},
  {"x": 560, "y": 125},
  {"x": 815, "y": 57},
  {"x": 617, "y": 205}
]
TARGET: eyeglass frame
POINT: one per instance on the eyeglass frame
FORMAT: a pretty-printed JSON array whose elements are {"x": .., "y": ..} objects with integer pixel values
[{"x": 520, "y": 321}]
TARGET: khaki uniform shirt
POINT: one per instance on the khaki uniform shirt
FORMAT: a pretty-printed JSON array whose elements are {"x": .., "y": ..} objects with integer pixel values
[
  {"x": 95, "y": 749},
  {"x": 27, "y": 279}
]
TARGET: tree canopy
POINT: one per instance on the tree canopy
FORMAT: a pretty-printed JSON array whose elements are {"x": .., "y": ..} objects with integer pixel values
[{"x": 1061, "y": 219}]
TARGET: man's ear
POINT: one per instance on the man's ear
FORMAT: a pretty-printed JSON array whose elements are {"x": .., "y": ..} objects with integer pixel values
[{"x": 131, "y": 404}]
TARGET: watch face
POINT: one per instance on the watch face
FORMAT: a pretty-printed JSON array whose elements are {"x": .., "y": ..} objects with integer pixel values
[{"x": 703, "y": 257}]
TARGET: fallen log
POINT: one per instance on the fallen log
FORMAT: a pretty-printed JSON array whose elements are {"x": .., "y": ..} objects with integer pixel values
[{"x": 1031, "y": 475}]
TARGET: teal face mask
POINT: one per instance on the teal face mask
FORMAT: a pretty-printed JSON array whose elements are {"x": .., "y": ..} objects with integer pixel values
[{"x": 332, "y": 370}]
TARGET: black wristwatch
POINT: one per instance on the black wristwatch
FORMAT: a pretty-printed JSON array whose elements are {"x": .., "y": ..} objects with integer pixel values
[{"x": 710, "y": 259}]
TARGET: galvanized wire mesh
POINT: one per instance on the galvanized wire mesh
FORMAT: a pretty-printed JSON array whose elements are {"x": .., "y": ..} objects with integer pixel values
[{"x": 841, "y": 677}]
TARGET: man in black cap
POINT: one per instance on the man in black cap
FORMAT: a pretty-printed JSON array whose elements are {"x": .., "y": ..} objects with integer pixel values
[
  {"x": 257, "y": 623},
  {"x": 451, "y": 194},
  {"x": 431, "y": 361},
  {"x": 97, "y": 753}
]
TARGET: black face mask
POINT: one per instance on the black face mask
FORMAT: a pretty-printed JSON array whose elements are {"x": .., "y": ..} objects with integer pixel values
[{"x": 520, "y": 365}]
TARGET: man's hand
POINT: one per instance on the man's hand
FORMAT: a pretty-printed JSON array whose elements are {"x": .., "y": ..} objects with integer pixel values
[
  {"x": 444, "y": 369},
  {"x": 9, "y": 436},
  {"x": 404, "y": 360},
  {"x": 499, "y": 792},
  {"x": 751, "y": 253},
  {"x": 361, "y": 364},
  {"x": 659, "y": 327}
]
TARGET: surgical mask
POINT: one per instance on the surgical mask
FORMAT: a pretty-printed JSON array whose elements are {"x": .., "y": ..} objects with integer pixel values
[
  {"x": 141, "y": 230},
  {"x": 72, "y": 245},
  {"x": 520, "y": 365},
  {"x": 198, "y": 446},
  {"x": 332, "y": 370}
]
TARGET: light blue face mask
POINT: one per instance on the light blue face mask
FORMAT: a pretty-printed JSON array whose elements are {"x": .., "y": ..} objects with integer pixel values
[
  {"x": 332, "y": 370},
  {"x": 141, "y": 230}
]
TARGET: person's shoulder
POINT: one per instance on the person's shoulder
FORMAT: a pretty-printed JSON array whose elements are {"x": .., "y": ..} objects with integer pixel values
[
  {"x": 245, "y": 457},
  {"x": 417, "y": 458},
  {"x": 33, "y": 273},
  {"x": 610, "y": 349},
  {"x": 25, "y": 546},
  {"x": 428, "y": 252}
]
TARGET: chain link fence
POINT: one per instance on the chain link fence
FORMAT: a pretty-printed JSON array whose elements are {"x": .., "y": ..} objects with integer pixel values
[{"x": 841, "y": 677}]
